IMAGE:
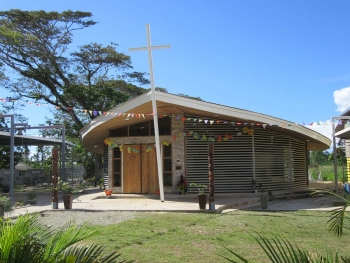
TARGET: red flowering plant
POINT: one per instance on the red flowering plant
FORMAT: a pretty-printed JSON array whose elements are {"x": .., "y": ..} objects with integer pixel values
[
  {"x": 108, "y": 192},
  {"x": 182, "y": 185}
]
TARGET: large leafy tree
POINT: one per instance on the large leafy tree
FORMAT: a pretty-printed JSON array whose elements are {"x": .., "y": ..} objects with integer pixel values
[{"x": 37, "y": 48}]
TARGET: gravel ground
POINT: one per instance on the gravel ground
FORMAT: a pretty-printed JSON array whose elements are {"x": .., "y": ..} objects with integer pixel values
[{"x": 59, "y": 218}]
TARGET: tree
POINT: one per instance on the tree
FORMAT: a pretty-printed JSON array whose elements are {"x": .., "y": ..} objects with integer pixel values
[
  {"x": 319, "y": 157},
  {"x": 341, "y": 157},
  {"x": 77, "y": 82},
  {"x": 36, "y": 44}
]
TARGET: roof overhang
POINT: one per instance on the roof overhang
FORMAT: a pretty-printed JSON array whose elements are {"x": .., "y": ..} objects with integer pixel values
[
  {"x": 343, "y": 134},
  {"x": 28, "y": 140},
  {"x": 93, "y": 134}
]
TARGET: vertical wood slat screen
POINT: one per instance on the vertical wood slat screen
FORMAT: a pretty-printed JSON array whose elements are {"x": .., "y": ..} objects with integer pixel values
[
  {"x": 277, "y": 160},
  {"x": 105, "y": 166}
]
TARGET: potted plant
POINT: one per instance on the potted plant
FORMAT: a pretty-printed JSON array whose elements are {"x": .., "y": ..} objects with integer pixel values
[
  {"x": 254, "y": 182},
  {"x": 6, "y": 188},
  {"x": 264, "y": 196},
  {"x": 202, "y": 197},
  {"x": 5, "y": 205},
  {"x": 67, "y": 191},
  {"x": 108, "y": 193},
  {"x": 31, "y": 198},
  {"x": 182, "y": 185}
]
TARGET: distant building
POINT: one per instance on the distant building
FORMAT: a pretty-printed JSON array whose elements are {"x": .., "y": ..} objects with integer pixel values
[{"x": 342, "y": 132}]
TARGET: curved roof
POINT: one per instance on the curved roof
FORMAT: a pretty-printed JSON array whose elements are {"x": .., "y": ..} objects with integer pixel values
[{"x": 93, "y": 134}]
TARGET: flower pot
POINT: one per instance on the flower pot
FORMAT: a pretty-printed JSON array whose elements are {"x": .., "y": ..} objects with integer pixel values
[
  {"x": 202, "y": 200},
  {"x": 264, "y": 197},
  {"x": 68, "y": 201},
  {"x": 6, "y": 189},
  {"x": 2, "y": 211}
]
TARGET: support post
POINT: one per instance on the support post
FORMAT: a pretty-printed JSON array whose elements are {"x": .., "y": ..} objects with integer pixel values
[
  {"x": 335, "y": 159},
  {"x": 12, "y": 156},
  {"x": 54, "y": 200},
  {"x": 211, "y": 177},
  {"x": 63, "y": 156}
]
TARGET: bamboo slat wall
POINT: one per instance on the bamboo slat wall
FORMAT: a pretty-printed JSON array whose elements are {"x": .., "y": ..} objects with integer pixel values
[{"x": 275, "y": 160}]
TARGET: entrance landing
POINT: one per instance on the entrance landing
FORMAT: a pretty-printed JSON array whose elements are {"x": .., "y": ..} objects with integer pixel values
[{"x": 95, "y": 200}]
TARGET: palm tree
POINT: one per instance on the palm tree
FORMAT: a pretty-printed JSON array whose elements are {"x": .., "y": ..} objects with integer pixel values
[
  {"x": 29, "y": 240},
  {"x": 338, "y": 221},
  {"x": 281, "y": 250}
]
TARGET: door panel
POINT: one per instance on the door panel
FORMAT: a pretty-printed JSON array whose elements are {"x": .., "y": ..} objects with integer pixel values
[
  {"x": 149, "y": 169},
  {"x": 132, "y": 169}
]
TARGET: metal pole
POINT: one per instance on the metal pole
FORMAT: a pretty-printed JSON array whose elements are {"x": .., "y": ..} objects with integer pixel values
[
  {"x": 12, "y": 156},
  {"x": 335, "y": 159},
  {"x": 54, "y": 200}
]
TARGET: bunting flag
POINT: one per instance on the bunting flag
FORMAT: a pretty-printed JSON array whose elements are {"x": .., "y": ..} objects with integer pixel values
[{"x": 95, "y": 113}]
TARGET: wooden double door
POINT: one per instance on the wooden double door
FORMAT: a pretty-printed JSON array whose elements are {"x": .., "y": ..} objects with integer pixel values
[{"x": 140, "y": 169}]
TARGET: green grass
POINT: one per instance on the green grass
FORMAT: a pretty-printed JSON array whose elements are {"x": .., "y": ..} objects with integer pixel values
[
  {"x": 328, "y": 173},
  {"x": 180, "y": 237}
]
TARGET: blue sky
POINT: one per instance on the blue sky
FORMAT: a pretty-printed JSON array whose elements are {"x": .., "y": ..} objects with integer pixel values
[{"x": 287, "y": 59}]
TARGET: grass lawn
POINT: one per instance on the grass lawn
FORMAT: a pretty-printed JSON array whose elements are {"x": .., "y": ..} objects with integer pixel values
[{"x": 181, "y": 237}]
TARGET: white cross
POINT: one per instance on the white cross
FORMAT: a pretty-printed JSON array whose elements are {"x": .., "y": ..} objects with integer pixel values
[{"x": 149, "y": 48}]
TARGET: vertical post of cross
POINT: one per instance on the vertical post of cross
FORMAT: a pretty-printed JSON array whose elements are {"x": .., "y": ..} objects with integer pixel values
[{"x": 149, "y": 48}]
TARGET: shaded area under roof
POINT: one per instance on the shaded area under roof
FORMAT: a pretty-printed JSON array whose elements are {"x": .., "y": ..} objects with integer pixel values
[{"x": 30, "y": 140}]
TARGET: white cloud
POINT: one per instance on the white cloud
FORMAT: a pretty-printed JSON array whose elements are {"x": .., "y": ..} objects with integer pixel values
[
  {"x": 325, "y": 128},
  {"x": 342, "y": 98}
]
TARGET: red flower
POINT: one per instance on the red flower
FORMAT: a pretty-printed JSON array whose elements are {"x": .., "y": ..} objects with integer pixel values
[{"x": 108, "y": 192}]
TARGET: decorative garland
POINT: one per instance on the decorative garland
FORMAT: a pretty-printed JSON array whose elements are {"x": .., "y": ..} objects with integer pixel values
[
  {"x": 195, "y": 135},
  {"x": 143, "y": 115}
]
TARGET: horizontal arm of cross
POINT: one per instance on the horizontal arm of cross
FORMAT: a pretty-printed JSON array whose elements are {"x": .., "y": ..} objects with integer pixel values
[{"x": 151, "y": 47}]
